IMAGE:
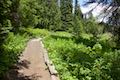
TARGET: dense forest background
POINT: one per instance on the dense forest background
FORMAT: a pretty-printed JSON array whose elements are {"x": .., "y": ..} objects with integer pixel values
[{"x": 92, "y": 53}]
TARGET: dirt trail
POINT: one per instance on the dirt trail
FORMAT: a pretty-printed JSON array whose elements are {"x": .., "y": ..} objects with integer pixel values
[{"x": 31, "y": 65}]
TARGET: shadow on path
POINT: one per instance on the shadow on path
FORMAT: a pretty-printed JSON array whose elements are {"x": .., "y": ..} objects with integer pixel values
[
  {"x": 31, "y": 65},
  {"x": 13, "y": 74}
]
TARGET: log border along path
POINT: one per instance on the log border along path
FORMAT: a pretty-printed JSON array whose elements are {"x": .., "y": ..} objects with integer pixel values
[{"x": 34, "y": 64}]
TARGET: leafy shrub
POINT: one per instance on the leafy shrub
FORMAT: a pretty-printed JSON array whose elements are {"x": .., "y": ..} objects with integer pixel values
[
  {"x": 37, "y": 32},
  {"x": 12, "y": 48},
  {"x": 107, "y": 40},
  {"x": 84, "y": 61},
  {"x": 91, "y": 27}
]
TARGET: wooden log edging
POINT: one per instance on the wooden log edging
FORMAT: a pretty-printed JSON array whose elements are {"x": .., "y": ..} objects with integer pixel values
[{"x": 49, "y": 63}]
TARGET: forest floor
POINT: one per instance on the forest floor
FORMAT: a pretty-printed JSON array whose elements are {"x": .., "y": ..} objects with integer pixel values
[{"x": 31, "y": 65}]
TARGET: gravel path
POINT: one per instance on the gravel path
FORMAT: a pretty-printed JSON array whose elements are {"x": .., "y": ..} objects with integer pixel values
[{"x": 31, "y": 65}]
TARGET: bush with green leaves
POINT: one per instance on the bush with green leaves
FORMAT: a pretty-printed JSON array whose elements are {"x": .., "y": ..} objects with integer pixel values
[
  {"x": 36, "y": 33},
  {"x": 92, "y": 27},
  {"x": 5, "y": 22},
  {"x": 83, "y": 60},
  {"x": 12, "y": 48}
]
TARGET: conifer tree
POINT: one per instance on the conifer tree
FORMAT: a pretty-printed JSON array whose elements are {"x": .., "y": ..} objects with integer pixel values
[
  {"x": 66, "y": 14},
  {"x": 54, "y": 16},
  {"x": 78, "y": 12},
  {"x": 29, "y": 12},
  {"x": 14, "y": 15},
  {"x": 78, "y": 20}
]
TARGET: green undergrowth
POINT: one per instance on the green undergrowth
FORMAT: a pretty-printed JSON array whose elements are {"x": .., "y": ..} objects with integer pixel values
[
  {"x": 36, "y": 33},
  {"x": 12, "y": 48},
  {"x": 87, "y": 57}
]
